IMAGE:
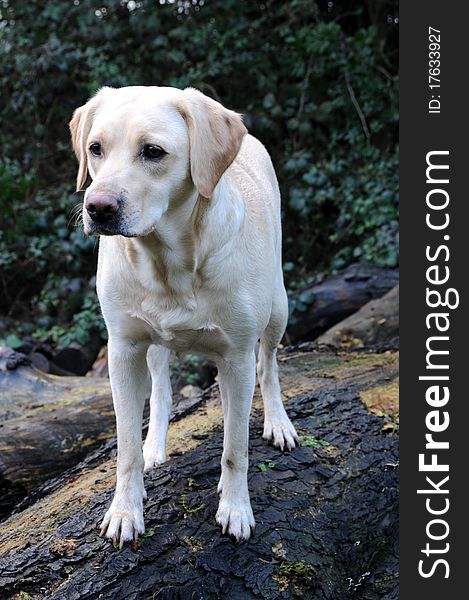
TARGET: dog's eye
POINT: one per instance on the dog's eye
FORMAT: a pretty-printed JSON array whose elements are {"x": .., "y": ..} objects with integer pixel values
[
  {"x": 95, "y": 149},
  {"x": 152, "y": 152}
]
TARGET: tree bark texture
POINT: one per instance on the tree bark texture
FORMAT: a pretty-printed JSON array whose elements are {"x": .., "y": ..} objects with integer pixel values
[{"x": 326, "y": 513}]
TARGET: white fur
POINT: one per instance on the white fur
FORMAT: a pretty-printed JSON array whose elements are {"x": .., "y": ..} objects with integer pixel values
[{"x": 192, "y": 274}]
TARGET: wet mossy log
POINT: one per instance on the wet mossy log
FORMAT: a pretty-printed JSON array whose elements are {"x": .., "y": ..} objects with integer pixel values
[
  {"x": 326, "y": 513},
  {"x": 48, "y": 424},
  {"x": 325, "y": 303}
]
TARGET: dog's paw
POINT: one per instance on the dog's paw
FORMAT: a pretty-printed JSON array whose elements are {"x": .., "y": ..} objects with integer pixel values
[
  {"x": 153, "y": 456},
  {"x": 236, "y": 518},
  {"x": 281, "y": 433},
  {"x": 123, "y": 522}
]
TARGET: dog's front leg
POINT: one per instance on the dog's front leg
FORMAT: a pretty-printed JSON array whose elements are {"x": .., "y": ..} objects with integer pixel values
[
  {"x": 128, "y": 373},
  {"x": 237, "y": 379}
]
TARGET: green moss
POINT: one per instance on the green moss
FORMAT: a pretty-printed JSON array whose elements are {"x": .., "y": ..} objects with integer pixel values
[
  {"x": 297, "y": 575},
  {"x": 190, "y": 509},
  {"x": 195, "y": 545},
  {"x": 264, "y": 466},
  {"x": 149, "y": 533},
  {"x": 311, "y": 442}
]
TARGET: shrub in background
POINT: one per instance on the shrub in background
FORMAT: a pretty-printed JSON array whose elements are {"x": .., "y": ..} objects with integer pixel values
[{"x": 316, "y": 82}]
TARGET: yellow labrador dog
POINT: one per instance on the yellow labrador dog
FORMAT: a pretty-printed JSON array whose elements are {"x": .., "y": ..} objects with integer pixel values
[{"x": 188, "y": 209}]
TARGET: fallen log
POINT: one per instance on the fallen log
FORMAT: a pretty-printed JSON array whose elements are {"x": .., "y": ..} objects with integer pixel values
[
  {"x": 322, "y": 305},
  {"x": 49, "y": 423},
  {"x": 72, "y": 360},
  {"x": 326, "y": 513},
  {"x": 375, "y": 323}
]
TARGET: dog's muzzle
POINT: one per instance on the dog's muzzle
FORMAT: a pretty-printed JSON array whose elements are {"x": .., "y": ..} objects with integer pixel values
[
  {"x": 103, "y": 212},
  {"x": 102, "y": 207}
]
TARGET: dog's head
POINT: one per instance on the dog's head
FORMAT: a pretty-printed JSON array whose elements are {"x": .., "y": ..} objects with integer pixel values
[{"x": 147, "y": 149}]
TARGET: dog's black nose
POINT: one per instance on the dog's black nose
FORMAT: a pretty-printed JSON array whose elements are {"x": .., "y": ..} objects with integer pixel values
[{"x": 101, "y": 206}]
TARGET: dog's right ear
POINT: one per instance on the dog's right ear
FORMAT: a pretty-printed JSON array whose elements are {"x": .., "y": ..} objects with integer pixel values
[{"x": 80, "y": 127}]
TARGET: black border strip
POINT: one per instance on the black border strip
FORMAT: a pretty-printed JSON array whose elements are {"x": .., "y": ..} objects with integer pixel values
[{"x": 421, "y": 132}]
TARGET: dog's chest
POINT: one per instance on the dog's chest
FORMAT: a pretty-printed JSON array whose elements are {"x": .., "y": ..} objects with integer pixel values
[
  {"x": 177, "y": 310},
  {"x": 183, "y": 326}
]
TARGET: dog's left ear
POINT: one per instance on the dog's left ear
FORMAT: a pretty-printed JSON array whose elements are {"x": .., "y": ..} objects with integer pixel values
[
  {"x": 80, "y": 127},
  {"x": 215, "y": 136}
]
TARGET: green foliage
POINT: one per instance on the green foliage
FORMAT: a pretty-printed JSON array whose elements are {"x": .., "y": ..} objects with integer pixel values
[
  {"x": 317, "y": 84},
  {"x": 85, "y": 321},
  {"x": 187, "y": 368},
  {"x": 44, "y": 260}
]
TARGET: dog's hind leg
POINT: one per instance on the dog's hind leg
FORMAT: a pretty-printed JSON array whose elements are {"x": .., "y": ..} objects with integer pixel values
[
  {"x": 154, "y": 449},
  {"x": 277, "y": 426}
]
